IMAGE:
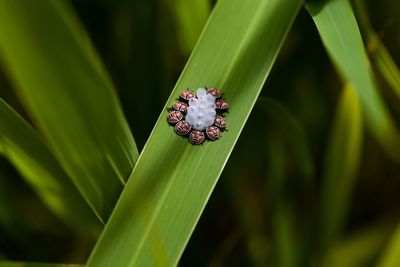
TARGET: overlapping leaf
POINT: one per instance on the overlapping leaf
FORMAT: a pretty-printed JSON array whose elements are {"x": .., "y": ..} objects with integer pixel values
[
  {"x": 341, "y": 165},
  {"x": 339, "y": 32},
  {"x": 173, "y": 180},
  {"x": 26, "y": 151},
  {"x": 69, "y": 96}
]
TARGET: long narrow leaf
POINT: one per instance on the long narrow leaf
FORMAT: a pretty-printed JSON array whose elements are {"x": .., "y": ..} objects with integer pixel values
[
  {"x": 69, "y": 96},
  {"x": 339, "y": 32},
  {"x": 379, "y": 53},
  {"x": 173, "y": 180},
  {"x": 387, "y": 66},
  {"x": 22, "y": 146},
  {"x": 341, "y": 165}
]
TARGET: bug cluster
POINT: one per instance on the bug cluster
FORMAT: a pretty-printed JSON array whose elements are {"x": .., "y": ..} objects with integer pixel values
[{"x": 199, "y": 115}]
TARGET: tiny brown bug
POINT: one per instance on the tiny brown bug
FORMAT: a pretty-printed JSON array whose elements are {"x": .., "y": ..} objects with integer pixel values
[
  {"x": 221, "y": 104},
  {"x": 196, "y": 137},
  {"x": 175, "y": 116},
  {"x": 213, "y": 133},
  {"x": 215, "y": 92},
  {"x": 180, "y": 106},
  {"x": 220, "y": 122},
  {"x": 183, "y": 128},
  {"x": 187, "y": 94}
]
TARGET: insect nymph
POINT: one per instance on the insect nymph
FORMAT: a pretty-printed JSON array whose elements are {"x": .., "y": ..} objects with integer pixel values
[
  {"x": 175, "y": 116},
  {"x": 183, "y": 128},
  {"x": 196, "y": 137}
]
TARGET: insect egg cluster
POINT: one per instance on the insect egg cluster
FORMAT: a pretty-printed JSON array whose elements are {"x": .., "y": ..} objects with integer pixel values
[
  {"x": 201, "y": 112},
  {"x": 199, "y": 115}
]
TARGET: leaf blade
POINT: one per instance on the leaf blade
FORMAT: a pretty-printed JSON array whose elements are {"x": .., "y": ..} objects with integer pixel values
[
  {"x": 22, "y": 146},
  {"x": 168, "y": 182},
  {"x": 377, "y": 50},
  {"x": 341, "y": 37},
  {"x": 69, "y": 96},
  {"x": 342, "y": 159}
]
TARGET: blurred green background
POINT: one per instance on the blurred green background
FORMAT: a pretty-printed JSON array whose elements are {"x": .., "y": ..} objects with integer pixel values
[{"x": 265, "y": 208}]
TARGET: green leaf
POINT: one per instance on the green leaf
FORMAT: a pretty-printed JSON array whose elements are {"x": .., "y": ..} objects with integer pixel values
[
  {"x": 341, "y": 165},
  {"x": 339, "y": 32},
  {"x": 386, "y": 65},
  {"x": 172, "y": 181},
  {"x": 23, "y": 147},
  {"x": 34, "y": 264},
  {"x": 69, "y": 97},
  {"x": 377, "y": 50},
  {"x": 391, "y": 255}
]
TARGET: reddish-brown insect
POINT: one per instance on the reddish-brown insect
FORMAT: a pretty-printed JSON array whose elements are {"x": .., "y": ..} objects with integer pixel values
[
  {"x": 187, "y": 94},
  {"x": 196, "y": 137},
  {"x": 175, "y": 116},
  {"x": 180, "y": 106},
  {"x": 215, "y": 92},
  {"x": 213, "y": 133},
  {"x": 220, "y": 122},
  {"x": 183, "y": 128},
  {"x": 221, "y": 104}
]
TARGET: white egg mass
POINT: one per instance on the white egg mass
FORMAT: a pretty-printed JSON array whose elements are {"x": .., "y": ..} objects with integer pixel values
[{"x": 201, "y": 111}]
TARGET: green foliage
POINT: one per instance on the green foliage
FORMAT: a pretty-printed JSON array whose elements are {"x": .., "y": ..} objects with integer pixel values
[
  {"x": 69, "y": 96},
  {"x": 303, "y": 187},
  {"x": 339, "y": 32},
  {"x": 172, "y": 182},
  {"x": 341, "y": 165},
  {"x": 23, "y": 147},
  {"x": 380, "y": 55}
]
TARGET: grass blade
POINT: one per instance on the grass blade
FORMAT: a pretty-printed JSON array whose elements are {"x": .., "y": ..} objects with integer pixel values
[
  {"x": 34, "y": 264},
  {"x": 22, "y": 146},
  {"x": 173, "y": 180},
  {"x": 386, "y": 65},
  {"x": 339, "y": 32},
  {"x": 341, "y": 165},
  {"x": 69, "y": 97},
  {"x": 379, "y": 53}
]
